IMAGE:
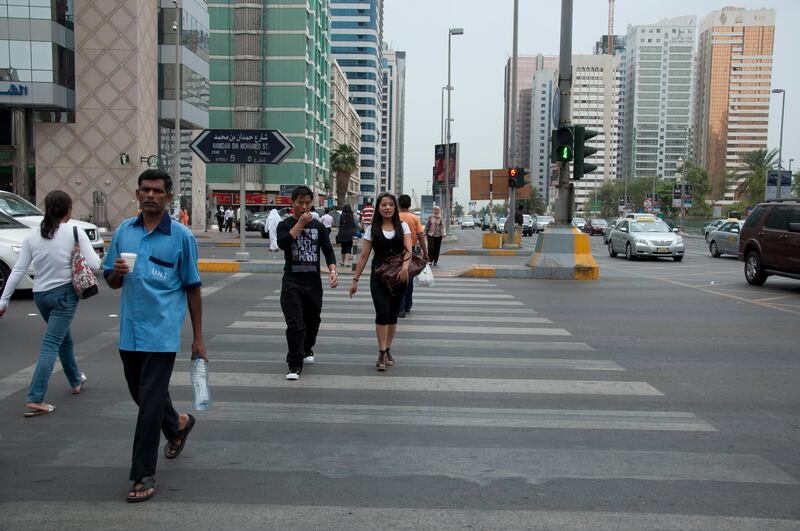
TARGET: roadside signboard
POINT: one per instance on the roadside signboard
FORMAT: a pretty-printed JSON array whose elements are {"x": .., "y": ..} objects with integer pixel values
[
  {"x": 479, "y": 185},
  {"x": 772, "y": 184},
  {"x": 242, "y": 146}
]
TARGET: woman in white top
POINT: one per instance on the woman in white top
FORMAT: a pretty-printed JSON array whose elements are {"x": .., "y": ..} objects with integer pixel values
[
  {"x": 50, "y": 251},
  {"x": 388, "y": 236}
]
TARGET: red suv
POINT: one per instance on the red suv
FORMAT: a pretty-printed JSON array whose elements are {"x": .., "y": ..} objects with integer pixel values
[{"x": 769, "y": 243}]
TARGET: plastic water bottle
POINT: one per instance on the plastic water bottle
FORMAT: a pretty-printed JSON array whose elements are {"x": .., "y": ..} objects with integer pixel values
[{"x": 198, "y": 371}]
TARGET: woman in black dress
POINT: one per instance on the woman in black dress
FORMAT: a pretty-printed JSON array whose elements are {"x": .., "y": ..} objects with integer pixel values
[
  {"x": 388, "y": 236},
  {"x": 347, "y": 230}
]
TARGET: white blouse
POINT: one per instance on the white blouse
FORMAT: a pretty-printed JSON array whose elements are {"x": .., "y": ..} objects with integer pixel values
[{"x": 388, "y": 234}]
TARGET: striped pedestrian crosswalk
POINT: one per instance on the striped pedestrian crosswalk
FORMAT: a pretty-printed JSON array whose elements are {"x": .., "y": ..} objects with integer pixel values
[{"x": 487, "y": 391}]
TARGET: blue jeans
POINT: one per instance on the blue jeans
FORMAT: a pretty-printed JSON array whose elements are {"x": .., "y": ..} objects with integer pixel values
[{"x": 57, "y": 307}]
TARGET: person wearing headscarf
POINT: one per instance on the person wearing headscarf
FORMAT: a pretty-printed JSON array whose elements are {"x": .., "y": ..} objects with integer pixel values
[
  {"x": 435, "y": 230},
  {"x": 272, "y": 228}
]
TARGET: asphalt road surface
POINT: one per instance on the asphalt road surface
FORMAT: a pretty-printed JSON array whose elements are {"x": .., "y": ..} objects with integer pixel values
[{"x": 665, "y": 395}]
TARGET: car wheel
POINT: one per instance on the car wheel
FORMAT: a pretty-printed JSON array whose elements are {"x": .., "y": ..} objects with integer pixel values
[
  {"x": 712, "y": 248},
  {"x": 677, "y": 258},
  {"x": 4, "y": 272},
  {"x": 753, "y": 270},
  {"x": 706, "y": 235},
  {"x": 629, "y": 251},
  {"x": 611, "y": 252}
]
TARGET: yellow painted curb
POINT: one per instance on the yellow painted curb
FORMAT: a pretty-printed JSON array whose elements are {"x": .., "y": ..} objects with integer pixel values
[
  {"x": 218, "y": 266},
  {"x": 456, "y": 252},
  {"x": 586, "y": 267},
  {"x": 228, "y": 244},
  {"x": 480, "y": 272},
  {"x": 491, "y": 240},
  {"x": 503, "y": 252}
]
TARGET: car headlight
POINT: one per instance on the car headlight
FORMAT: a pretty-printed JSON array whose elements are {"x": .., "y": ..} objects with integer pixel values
[{"x": 640, "y": 240}]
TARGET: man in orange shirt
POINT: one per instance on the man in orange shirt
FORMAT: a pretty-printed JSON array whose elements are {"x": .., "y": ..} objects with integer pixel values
[{"x": 417, "y": 236}]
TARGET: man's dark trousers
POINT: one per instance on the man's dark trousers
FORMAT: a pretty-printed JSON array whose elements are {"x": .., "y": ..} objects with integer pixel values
[
  {"x": 148, "y": 375},
  {"x": 302, "y": 306}
]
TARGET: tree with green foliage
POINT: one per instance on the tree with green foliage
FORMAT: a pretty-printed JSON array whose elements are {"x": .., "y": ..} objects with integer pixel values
[
  {"x": 458, "y": 209},
  {"x": 344, "y": 161},
  {"x": 754, "y": 174},
  {"x": 796, "y": 187}
]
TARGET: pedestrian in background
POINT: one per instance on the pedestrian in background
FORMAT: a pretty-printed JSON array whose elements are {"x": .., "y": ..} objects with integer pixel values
[
  {"x": 417, "y": 236},
  {"x": 272, "y": 229},
  {"x": 220, "y": 215},
  {"x": 344, "y": 237},
  {"x": 50, "y": 251},
  {"x": 229, "y": 219},
  {"x": 435, "y": 230},
  {"x": 388, "y": 236},
  {"x": 184, "y": 217},
  {"x": 164, "y": 279},
  {"x": 366, "y": 216},
  {"x": 327, "y": 220},
  {"x": 302, "y": 238}
]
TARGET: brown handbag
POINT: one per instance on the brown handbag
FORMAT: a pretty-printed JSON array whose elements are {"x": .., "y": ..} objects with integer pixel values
[{"x": 392, "y": 266}]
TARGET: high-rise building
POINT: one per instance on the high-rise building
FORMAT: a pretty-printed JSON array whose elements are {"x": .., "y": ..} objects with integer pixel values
[
  {"x": 357, "y": 36},
  {"x": 595, "y": 105},
  {"x": 601, "y": 48},
  {"x": 270, "y": 69},
  {"x": 544, "y": 89},
  {"x": 393, "y": 114},
  {"x": 527, "y": 65},
  {"x": 345, "y": 129},
  {"x": 96, "y": 96},
  {"x": 734, "y": 76},
  {"x": 658, "y": 87}
]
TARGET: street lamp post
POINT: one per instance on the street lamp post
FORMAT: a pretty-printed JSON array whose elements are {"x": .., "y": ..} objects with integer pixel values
[
  {"x": 782, "y": 92},
  {"x": 176, "y": 26},
  {"x": 450, "y": 33},
  {"x": 682, "y": 184}
]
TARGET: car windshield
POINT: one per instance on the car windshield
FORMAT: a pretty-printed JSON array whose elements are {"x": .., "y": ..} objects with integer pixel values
[
  {"x": 599, "y": 222},
  {"x": 649, "y": 226},
  {"x": 17, "y": 207}
]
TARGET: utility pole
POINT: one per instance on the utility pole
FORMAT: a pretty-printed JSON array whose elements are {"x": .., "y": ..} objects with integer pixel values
[
  {"x": 512, "y": 192},
  {"x": 564, "y": 205}
]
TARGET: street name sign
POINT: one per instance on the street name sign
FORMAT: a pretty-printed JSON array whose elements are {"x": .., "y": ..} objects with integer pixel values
[{"x": 242, "y": 146}]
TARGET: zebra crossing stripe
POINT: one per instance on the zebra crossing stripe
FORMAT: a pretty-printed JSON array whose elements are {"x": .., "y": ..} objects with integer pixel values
[
  {"x": 429, "y": 329},
  {"x": 371, "y": 316},
  {"x": 417, "y": 300},
  {"x": 428, "y": 384},
  {"x": 419, "y": 309}
]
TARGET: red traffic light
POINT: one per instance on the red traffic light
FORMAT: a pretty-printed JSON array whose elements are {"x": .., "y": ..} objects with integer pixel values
[{"x": 512, "y": 172}]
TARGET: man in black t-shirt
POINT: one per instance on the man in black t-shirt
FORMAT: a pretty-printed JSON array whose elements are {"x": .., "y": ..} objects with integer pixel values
[{"x": 302, "y": 238}]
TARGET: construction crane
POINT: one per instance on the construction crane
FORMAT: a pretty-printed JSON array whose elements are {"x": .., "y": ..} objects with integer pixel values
[{"x": 610, "y": 27}]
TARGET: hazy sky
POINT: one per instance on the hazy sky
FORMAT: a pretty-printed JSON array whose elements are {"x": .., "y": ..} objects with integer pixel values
[{"x": 479, "y": 56}]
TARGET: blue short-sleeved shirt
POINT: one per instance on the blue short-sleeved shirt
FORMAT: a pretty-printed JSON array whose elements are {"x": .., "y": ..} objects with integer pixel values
[{"x": 153, "y": 302}]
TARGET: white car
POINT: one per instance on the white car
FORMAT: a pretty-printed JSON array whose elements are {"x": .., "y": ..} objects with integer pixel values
[
  {"x": 468, "y": 223},
  {"x": 29, "y": 214},
  {"x": 12, "y": 233},
  {"x": 541, "y": 222}
]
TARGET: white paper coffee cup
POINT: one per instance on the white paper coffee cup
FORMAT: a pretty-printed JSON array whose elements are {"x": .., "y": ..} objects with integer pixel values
[{"x": 130, "y": 259}]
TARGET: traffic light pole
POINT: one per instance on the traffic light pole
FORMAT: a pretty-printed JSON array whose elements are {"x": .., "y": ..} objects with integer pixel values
[
  {"x": 512, "y": 192},
  {"x": 563, "y": 206}
]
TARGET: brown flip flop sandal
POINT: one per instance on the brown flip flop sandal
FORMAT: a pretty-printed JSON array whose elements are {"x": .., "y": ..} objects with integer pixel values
[
  {"x": 143, "y": 484},
  {"x": 171, "y": 450},
  {"x": 37, "y": 412}
]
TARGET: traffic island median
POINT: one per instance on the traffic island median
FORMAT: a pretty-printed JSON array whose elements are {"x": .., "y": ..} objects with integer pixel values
[{"x": 563, "y": 253}]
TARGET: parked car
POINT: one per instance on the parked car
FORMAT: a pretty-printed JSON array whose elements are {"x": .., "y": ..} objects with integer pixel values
[
  {"x": 711, "y": 226},
  {"x": 12, "y": 233},
  {"x": 500, "y": 225},
  {"x": 645, "y": 238},
  {"x": 29, "y": 214},
  {"x": 527, "y": 225},
  {"x": 467, "y": 222},
  {"x": 769, "y": 242},
  {"x": 609, "y": 228},
  {"x": 725, "y": 239},
  {"x": 255, "y": 221},
  {"x": 541, "y": 222},
  {"x": 595, "y": 226}
]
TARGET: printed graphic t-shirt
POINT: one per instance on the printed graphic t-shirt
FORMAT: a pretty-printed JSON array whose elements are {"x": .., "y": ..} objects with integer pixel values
[{"x": 302, "y": 254}]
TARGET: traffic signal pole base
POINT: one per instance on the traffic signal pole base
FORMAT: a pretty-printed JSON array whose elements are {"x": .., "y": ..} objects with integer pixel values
[
  {"x": 242, "y": 257},
  {"x": 563, "y": 253}
]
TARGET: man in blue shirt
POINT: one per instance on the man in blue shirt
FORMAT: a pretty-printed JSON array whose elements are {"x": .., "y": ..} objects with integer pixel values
[{"x": 155, "y": 293}]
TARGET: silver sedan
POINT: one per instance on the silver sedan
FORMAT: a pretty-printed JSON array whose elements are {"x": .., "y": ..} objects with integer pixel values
[
  {"x": 645, "y": 238},
  {"x": 725, "y": 239}
]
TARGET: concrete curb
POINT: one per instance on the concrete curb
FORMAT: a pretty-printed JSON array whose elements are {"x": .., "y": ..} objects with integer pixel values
[{"x": 489, "y": 252}]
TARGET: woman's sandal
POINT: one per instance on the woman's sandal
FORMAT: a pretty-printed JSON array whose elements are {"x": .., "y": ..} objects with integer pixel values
[
  {"x": 389, "y": 359},
  {"x": 140, "y": 486},
  {"x": 381, "y": 363}
]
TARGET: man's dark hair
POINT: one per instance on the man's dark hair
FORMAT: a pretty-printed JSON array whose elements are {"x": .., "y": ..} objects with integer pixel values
[
  {"x": 404, "y": 201},
  {"x": 156, "y": 175},
  {"x": 302, "y": 191}
]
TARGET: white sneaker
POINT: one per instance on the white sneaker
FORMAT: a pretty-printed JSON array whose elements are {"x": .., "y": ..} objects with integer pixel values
[
  {"x": 309, "y": 359},
  {"x": 293, "y": 374}
]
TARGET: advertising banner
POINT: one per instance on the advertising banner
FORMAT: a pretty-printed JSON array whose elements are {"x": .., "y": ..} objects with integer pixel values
[{"x": 439, "y": 167}]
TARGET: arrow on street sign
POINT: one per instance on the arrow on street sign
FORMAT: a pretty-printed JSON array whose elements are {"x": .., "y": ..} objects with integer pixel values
[{"x": 242, "y": 146}]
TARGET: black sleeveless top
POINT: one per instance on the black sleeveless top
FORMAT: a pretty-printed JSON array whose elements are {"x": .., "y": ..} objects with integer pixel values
[{"x": 384, "y": 247}]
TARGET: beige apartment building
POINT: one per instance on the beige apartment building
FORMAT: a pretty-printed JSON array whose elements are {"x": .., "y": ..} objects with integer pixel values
[
  {"x": 345, "y": 128},
  {"x": 733, "y": 82}
]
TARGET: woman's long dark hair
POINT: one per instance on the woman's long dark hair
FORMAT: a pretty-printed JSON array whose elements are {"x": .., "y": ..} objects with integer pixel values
[
  {"x": 346, "y": 219},
  {"x": 57, "y": 204},
  {"x": 377, "y": 226}
]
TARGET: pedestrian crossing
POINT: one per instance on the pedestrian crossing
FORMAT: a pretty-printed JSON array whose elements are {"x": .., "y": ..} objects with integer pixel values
[{"x": 472, "y": 400}]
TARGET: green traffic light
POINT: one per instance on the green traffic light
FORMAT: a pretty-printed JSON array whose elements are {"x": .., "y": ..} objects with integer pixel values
[{"x": 565, "y": 154}]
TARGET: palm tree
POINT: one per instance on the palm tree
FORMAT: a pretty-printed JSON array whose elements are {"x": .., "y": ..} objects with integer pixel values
[
  {"x": 756, "y": 163},
  {"x": 344, "y": 161}
]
